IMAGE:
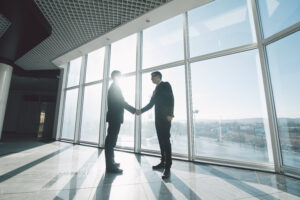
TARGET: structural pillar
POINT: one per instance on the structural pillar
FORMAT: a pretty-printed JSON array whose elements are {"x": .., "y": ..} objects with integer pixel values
[{"x": 5, "y": 78}]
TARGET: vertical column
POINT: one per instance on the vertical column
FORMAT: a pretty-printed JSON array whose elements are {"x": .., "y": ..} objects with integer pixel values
[
  {"x": 80, "y": 99},
  {"x": 60, "y": 102},
  {"x": 138, "y": 92},
  {"x": 272, "y": 139},
  {"x": 189, "y": 107},
  {"x": 5, "y": 78},
  {"x": 105, "y": 85}
]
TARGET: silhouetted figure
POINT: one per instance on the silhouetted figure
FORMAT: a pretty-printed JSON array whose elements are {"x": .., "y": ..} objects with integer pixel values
[
  {"x": 114, "y": 117},
  {"x": 163, "y": 100}
]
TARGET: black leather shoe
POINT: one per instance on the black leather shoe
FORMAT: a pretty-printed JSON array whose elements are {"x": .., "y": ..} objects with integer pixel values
[
  {"x": 114, "y": 170},
  {"x": 159, "y": 166},
  {"x": 116, "y": 164},
  {"x": 166, "y": 173}
]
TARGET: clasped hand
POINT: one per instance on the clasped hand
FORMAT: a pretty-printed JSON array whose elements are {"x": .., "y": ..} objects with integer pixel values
[{"x": 138, "y": 112}]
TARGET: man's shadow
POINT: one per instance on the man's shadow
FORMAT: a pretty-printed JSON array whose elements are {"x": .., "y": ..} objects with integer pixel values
[{"x": 104, "y": 187}]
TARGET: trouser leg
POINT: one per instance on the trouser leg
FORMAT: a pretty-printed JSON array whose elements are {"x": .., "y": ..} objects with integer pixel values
[
  {"x": 167, "y": 144},
  {"x": 110, "y": 142},
  {"x": 163, "y": 134},
  {"x": 160, "y": 141}
]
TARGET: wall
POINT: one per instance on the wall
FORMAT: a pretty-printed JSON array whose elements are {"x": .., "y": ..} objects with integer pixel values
[{"x": 25, "y": 101}]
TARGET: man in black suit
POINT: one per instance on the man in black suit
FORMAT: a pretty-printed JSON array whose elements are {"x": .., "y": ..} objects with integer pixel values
[
  {"x": 114, "y": 117},
  {"x": 163, "y": 100}
]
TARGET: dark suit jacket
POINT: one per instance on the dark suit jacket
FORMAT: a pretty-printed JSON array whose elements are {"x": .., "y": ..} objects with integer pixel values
[
  {"x": 116, "y": 105},
  {"x": 163, "y": 100}
]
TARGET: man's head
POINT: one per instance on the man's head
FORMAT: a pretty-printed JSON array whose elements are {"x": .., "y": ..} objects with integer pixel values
[
  {"x": 156, "y": 77},
  {"x": 115, "y": 75}
]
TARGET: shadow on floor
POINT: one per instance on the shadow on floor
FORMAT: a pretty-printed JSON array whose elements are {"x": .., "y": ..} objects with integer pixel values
[
  {"x": 78, "y": 179},
  {"x": 25, "y": 167},
  {"x": 11, "y": 146},
  {"x": 161, "y": 190}
]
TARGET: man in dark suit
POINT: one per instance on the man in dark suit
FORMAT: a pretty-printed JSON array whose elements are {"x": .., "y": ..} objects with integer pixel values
[
  {"x": 115, "y": 114},
  {"x": 163, "y": 100}
]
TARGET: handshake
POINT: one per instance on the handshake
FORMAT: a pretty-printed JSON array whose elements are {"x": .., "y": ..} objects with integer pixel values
[{"x": 138, "y": 112}]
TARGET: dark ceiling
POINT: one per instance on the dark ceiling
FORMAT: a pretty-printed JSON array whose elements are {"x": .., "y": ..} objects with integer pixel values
[{"x": 25, "y": 28}]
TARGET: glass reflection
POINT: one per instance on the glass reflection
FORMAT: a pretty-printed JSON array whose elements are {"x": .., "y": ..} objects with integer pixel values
[
  {"x": 69, "y": 114},
  {"x": 220, "y": 25},
  {"x": 229, "y": 110},
  {"x": 277, "y": 15},
  {"x": 176, "y": 77},
  {"x": 283, "y": 57},
  {"x": 74, "y": 72},
  {"x": 95, "y": 64},
  {"x": 163, "y": 43},
  {"x": 123, "y": 54},
  {"x": 91, "y": 113}
]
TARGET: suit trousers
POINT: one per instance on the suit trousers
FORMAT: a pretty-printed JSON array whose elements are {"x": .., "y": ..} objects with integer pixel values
[
  {"x": 163, "y": 127},
  {"x": 110, "y": 142}
]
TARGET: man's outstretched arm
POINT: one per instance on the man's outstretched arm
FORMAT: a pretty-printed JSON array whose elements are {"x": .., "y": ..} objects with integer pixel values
[{"x": 149, "y": 105}]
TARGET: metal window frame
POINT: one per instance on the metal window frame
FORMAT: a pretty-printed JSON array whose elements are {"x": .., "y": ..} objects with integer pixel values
[
  {"x": 281, "y": 34},
  {"x": 80, "y": 100},
  {"x": 267, "y": 88},
  {"x": 188, "y": 85},
  {"x": 102, "y": 130},
  {"x": 86, "y": 84},
  {"x": 279, "y": 165},
  {"x": 61, "y": 102},
  {"x": 138, "y": 94},
  {"x": 64, "y": 91},
  {"x": 260, "y": 45}
]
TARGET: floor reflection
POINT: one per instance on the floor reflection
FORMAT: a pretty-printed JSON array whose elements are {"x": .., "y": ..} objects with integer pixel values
[{"x": 65, "y": 171}]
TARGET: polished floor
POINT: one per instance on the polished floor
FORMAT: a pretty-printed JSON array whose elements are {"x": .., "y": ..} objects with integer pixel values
[{"x": 35, "y": 170}]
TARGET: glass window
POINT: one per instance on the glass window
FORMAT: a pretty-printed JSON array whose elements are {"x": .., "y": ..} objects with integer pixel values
[
  {"x": 91, "y": 113},
  {"x": 95, "y": 64},
  {"x": 176, "y": 77},
  {"x": 277, "y": 15},
  {"x": 229, "y": 111},
  {"x": 220, "y": 25},
  {"x": 284, "y": 60},
  {"x": 126, "y": 135},
  {"x": 163, "y": 43},
  {"x": 74, "y": 72},
  {"x": 123, "y": 54},
  {"x": 69, "y": 114}
]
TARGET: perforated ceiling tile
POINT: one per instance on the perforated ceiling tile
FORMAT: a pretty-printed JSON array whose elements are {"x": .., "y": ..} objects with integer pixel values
[
  {"x": 75, "y": 22},
  {"x": 4, "y": 24}
]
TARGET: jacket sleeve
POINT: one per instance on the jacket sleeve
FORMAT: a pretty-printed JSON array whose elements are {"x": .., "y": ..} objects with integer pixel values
[
  {"x": 170, "y": 99},
  {"x": 125, "y": 105},
  {"x": 128, "y": 107},
  {"x": 116, "y": 101},
  {"x": 150, "y": 104}
]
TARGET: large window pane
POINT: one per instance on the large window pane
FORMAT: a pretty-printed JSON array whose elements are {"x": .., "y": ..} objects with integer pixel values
[
  {"x": 95, "y": 64},
  {"x": 229, "y": 108},
  {"x": 126, "y": 135},
  {"x": 175, "y": 76},
  {"x": 91, "y": 113},
  {"x": 220, "y": 25},
  {"x": 277, "y": 15},
  {"x": 284, "y": 63},
  {"x": 69, "y": 114},
  {"x": 74, "y": 72},
  {"x": 163, "y": 43},
  {"x": 123, "y": 55}
]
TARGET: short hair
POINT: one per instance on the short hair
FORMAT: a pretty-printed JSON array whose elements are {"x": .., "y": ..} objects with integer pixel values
[
  {"x": 157, "y": 73},
  {"x": 115, "y": 73}
]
